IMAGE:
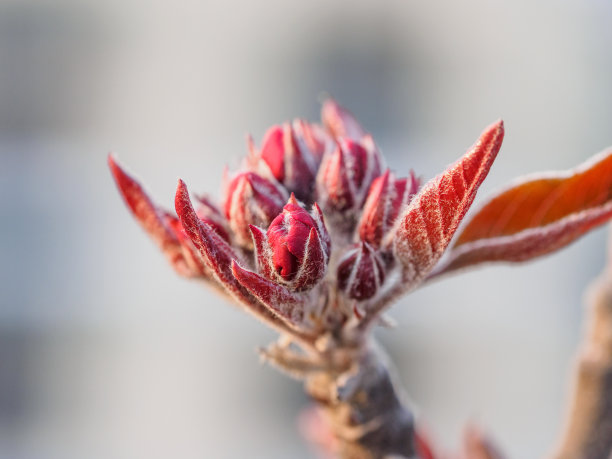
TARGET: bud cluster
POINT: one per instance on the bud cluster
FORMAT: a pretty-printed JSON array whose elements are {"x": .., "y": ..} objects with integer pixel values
[{"x": 269, "y": 243}]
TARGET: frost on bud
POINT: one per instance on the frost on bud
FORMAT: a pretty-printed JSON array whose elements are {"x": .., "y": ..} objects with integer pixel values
[
  {"x": 292, "y": 153},
  {"x": 345, "y": 175},
  {"x": 387, "y": 197},
  {"x": 298, "y": 248},
  {"x": 251, "y": 200},
  {"x": 339, "y": 121},
  {"x": 360, "y": 272}
]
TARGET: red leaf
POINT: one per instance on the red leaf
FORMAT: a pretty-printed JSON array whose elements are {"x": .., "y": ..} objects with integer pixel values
[
  {"x": 276, "y": 297},
  {"x": 215, "y": 251},
  {"x": 190, "y": 254},
  {"x": 537, "y": 216},
  {"x": 150, "y": 217},
  {"x": 425, "y": 229}
]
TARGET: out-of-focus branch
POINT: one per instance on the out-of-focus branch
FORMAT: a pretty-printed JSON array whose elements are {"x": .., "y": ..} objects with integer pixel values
[
  {"x": 588, "y": 428},
  {"x": 364, "y": 409}
]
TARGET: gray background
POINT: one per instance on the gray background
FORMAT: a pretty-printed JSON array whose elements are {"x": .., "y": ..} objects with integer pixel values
[{"x": 105, "y": 353}]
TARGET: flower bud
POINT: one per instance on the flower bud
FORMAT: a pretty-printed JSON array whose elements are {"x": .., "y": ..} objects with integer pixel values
[
  {"x": 251, "y": 200},
  {"x": 292, "y": 153},
  {"x": 314, "y": 136},
  {"x": 360, "y": 272},
  {"x": 299, "y": 247},
  {"x": 340, "y": 122},
  {"x": 346, "y": 175},
  {"x": 386, "y": 199}
]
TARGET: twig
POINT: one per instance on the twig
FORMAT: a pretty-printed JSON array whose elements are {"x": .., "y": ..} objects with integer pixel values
[
  {"x": 588, "y": 427},
  {"x": 365, "y": 409}
]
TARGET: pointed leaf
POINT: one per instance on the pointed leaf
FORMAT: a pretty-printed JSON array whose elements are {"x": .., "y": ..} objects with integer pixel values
[
  {"x": 149, "y": 216},
  {"x": 215, "y": 251},
  {"x": 537, "y": 216},
  {"x": 427, "y": 225},
  {"x": 262, "y": 251},
  {"x": 192, "y": 256},
  {"x": 276, "y": 297}
]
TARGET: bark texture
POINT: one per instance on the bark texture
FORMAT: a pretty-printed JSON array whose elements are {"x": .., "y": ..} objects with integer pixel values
[{"x": 364, "y": 409}]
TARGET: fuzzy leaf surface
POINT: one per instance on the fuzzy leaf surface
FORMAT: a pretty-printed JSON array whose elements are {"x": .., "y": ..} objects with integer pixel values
[
  {"x": 537, "y": 216},
  {"x": 276, "y": 297},
  {"x": 149, "y": 216},
  {"x": 429, "y": 222}
]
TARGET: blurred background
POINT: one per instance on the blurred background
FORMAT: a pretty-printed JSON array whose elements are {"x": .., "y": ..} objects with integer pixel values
[{"x": 106, "y": 353}]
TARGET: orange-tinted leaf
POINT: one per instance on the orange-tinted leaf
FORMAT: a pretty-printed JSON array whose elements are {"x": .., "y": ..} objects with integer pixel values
[
  {"x": 432, "y": 217},
  {"x": 537, "y": 216}
]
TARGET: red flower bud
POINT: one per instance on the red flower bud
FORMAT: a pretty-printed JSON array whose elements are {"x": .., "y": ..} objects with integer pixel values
[
  {"x": 346, "y": 175},
  {"x": 339, "y": 121},
  {"x": 386, "y": 199},
  {"x": 293, "y": 153},
  {"x": 299, "y": 247},
  {"x": 251, "y": 200},
  {"x": 360, "y": 272}
]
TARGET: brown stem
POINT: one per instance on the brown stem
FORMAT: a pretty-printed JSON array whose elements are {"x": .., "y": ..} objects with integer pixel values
[
  {"x": 588, "y": 428},
  {"x": 364, "y": 409}
]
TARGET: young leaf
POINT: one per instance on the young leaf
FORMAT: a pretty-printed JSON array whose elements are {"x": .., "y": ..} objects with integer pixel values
[
  {"x": 150, "y": 217},
  {"x": 278, "y": 298},
  {"x": 427, "y": 225},
  {"x": 215, "y": 251},
  {"x": 537, "y": 216}
]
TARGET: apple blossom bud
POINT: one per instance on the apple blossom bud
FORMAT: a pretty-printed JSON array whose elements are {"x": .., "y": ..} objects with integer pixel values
[
  {"x": 386, "y": 199},
  {"x": 339, "y": 121},
  {"x": 299, "y": 247},
  {"x": 314, "y": 136},
  {"x": 360, "y": 272},
  {"x": 292, "y": 153},
  {"x": 346, "y": 175},
  {"x": 251, "y": 199}
]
